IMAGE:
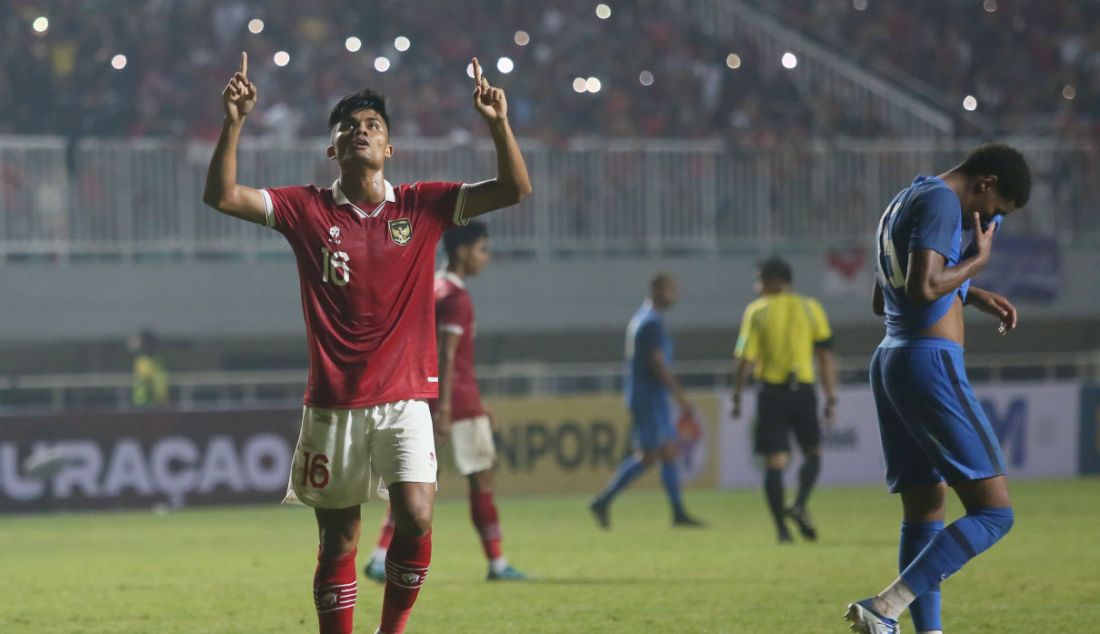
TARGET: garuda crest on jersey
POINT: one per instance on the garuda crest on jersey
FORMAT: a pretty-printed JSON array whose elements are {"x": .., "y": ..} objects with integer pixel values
[{"x": 401, "y": 231}]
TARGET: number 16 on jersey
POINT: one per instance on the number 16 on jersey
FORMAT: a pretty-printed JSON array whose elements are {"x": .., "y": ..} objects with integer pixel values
[{"x": 334, "y": 267}]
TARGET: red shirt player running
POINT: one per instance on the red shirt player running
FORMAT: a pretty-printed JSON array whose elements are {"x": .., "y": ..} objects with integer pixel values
[
  {"x": 460, "y": 417},
  {"x": 365, "y": 251}
]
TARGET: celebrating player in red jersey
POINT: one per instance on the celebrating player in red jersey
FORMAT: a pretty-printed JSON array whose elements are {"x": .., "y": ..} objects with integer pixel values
[
  {"x": 366, "y": 253},
  {"x": 460, "y": 417}
]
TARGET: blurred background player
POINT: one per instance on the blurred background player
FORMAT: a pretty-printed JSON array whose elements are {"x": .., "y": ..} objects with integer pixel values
[
  {"x": 150, "y": 388},
  {"x": 933, "y": 428},
  {"x": 781, "y": 334},
  {"x": 459, "y": 415},
  {"x": 650, "y": 386},
  {"x": 365, "y": 252}
]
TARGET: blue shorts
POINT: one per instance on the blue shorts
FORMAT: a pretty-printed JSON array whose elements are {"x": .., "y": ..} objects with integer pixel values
[
  {"x": 933, "y": 428},
  {"x": 652, "y": 427}
]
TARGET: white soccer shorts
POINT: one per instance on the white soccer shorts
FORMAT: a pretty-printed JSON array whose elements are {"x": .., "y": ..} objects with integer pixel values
[
  {"x": 339, "y": 450},
  {"x": 472, "y": 439}
]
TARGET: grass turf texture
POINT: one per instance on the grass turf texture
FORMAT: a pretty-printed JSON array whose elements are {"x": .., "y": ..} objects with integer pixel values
[{"x": 250, "y": 569}]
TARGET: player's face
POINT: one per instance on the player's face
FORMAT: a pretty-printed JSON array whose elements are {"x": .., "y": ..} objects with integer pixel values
[
  {"x": 361, "y": 137},
  {"x": 477, "y": 256},
  {"x": 986, "y": 201},
  {"x": 668, "y": 293}
]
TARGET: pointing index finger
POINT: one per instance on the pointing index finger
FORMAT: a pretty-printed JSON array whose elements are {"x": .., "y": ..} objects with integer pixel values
[
  {"x": 244, "y": 63},
  {"x": 477, "y": 73}
]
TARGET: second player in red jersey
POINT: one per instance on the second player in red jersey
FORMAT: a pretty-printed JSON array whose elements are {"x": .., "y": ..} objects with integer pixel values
[
  {"x": 454, "y": 318},
  {"x": 365, "y": 253},
  {"x": 460, "y": 418}
]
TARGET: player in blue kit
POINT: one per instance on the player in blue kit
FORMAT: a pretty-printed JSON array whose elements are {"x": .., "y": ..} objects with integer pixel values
[
  {"x": 933, "y": 428},
  {"x": 650, "y": 386}
]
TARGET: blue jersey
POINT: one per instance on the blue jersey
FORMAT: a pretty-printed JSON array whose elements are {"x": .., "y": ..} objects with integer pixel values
[
  {"x": 925, "y": 215},
  {"x": 646, "y": 333}
]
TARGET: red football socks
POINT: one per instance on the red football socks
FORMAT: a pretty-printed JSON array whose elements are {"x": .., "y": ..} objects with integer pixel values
[
  {"x": 334, "y": 591},
  {"x": 407, "y": 563},
  {"x": 483, "y": 512}
]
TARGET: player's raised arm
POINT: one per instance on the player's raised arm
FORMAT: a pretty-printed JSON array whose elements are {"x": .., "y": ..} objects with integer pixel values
[
  {"x": 512, "y": 183},
  {"x": 222, "y": 191}
]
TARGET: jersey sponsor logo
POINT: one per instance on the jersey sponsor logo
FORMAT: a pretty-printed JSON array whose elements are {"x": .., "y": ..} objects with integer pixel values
[
  {"x": 334, "y": 234},
  {"x": 400, "y": 231}
]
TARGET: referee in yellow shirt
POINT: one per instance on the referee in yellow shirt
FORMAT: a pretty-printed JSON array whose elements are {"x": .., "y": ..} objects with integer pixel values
[{"x": 781, "y": 334}]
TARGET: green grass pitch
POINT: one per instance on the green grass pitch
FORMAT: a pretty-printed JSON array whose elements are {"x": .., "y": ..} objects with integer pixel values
[{"x": 249, "y": 569}]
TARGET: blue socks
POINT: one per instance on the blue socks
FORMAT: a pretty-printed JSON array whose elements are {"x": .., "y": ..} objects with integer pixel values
[
  {"x": 957, "y": 544},
  {"x": 915, "y": 536},
  {"x": 670, "y": 477},
  {"x": 628, "y": 472}
]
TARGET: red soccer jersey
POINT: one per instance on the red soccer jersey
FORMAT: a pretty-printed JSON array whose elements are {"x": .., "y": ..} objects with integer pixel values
[
  {"x": 454, "y": 312},
  {"x": 366, "y": 278}
]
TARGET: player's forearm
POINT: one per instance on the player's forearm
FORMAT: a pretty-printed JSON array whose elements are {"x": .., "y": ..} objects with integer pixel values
[
  {"x": 446, "y": 381},
  {"x": 512, "y": 174},
  {"x": 929, "y": 287},
  {"x": 221, "y": 178},
  {"x": 740, "y": 374},
  {"x": 827, "y": 368},
  {"x": 668, "y": 379}
]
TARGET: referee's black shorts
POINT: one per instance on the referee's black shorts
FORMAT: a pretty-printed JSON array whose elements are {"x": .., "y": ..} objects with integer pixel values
[{"x": 781, "y": 410}]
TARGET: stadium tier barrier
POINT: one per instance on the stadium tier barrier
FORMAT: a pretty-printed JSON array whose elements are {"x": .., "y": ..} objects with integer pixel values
[
  {"x": 134, "y": 198},
  {"x": 546, "y": 445}
]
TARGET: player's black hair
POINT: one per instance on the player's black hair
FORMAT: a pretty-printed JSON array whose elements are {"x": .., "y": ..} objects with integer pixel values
[
  {"x": 1004, "y": 162},
  {"x": 463, "y": 236},
  {"x": 365, "y": 99},
  {"x": 659, "y": 280},
  {"x": 775, "y": 269}
]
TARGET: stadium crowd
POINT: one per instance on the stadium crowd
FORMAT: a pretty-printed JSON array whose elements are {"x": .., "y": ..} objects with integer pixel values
[
  {"x": 955, "y": 48},
  {"x": 62, "y": 75},
  {"x": 70, "y": 67}
]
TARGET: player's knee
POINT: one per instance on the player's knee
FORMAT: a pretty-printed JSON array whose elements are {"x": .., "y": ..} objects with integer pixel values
[
  {"x": 339, "y": 534},
  {"x": 481, "y": 482},
  {"x": 998, "y": 521},
  {"x": 648, "y": 457},
  {"x": 415, "y": 519},
  {"x": 776, "y": 461}
]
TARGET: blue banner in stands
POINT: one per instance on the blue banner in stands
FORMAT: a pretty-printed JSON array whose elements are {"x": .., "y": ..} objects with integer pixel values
[{"x": 1024, "y": 268}]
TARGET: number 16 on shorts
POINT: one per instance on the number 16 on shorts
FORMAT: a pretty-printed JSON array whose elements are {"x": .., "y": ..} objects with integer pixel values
[{"x": 315, "y": 470}]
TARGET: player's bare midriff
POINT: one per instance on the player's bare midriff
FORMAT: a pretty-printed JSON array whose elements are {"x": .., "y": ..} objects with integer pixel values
[{"x": 950, "y": 326}]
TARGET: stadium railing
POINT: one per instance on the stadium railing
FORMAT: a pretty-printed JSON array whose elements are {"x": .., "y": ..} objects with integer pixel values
[
  {"x": 822, "y": 71},
  {"x": 247, "y": 388},
  {"x": 135, "y": 198}
]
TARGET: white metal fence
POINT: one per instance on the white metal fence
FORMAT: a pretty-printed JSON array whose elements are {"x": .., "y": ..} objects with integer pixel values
[
  {"x": 125, "y": 198},
  {"x": 238, "y": 388}
]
